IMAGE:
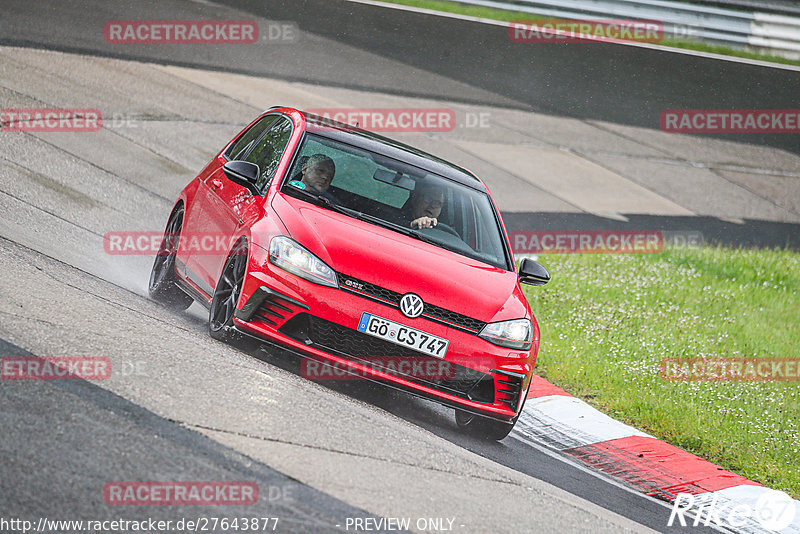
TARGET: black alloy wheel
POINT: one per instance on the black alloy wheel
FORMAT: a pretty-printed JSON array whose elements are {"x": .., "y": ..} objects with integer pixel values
[
  {"x": 163, "y": 285},
  {"x": 226, "y": 294}
]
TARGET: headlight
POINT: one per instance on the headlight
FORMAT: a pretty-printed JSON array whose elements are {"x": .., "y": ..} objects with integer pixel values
[
  {"x": 290, "y": 256},
  {"x": 514, "y": 334}
]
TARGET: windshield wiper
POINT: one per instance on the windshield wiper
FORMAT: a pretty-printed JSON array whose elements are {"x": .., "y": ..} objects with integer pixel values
[
  {"x": 327, "y": 202},
  {"x": 338, "y": 207},
  {"x": 396, "y": 227},
  {"x": 423, "y": 237}
]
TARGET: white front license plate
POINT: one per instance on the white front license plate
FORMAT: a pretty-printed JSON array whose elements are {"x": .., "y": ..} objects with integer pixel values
[{"x": 403, "y": 335}]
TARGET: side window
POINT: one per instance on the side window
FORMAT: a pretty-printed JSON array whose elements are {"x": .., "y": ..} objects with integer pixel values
[
  {"x": 239, "y": 149},
  {"x": 354, "y": 174},
  {"x": 269, "y": 149}
]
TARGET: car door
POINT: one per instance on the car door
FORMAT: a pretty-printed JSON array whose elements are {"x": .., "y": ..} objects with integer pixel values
[
  {"x": 196, "y": 221},
  {"x": 229, "y": 206}
]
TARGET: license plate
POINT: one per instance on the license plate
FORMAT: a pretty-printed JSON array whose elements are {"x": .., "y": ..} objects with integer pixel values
[{"x": 403, "y": 335}]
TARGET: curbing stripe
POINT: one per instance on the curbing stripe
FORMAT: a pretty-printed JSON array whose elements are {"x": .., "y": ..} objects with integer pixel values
[
  {"x": 657, "y": 468},
  {"x": 568, "y": 422},
  {"x": 542, "y": 388}
]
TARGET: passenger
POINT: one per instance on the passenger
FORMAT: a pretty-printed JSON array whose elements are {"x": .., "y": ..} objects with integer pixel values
[
  {"x": 317, "y": 174},
  {"x": 424, "y": 206}
]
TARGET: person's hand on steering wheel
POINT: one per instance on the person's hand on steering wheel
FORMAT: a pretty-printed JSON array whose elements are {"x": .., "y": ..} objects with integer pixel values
[{"x": 424, "y": 222}]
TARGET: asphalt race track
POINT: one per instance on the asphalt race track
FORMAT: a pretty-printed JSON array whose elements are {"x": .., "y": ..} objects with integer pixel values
[{"x": 181, "y": 406}]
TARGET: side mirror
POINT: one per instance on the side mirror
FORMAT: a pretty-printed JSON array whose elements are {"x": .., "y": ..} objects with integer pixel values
[
  {"x": 533, "y": 273},
  {"x": 243, "y": 173}
]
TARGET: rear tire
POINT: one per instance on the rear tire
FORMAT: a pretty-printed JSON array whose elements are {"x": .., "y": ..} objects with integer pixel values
[{"x": 163, "y": 285}]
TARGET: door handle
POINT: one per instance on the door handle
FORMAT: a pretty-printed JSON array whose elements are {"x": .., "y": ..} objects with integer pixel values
[{"x": 216, "y": 184}]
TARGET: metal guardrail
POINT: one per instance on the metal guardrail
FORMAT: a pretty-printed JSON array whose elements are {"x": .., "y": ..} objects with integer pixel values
[
  {"x": 776, "y": 7},
  {"x": 772, "y": 33}
]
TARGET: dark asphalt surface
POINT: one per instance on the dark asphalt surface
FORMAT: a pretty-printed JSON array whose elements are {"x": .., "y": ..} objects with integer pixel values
[
  {"x": 510, "y": 452},
  {"x": 64, "y": 440}
]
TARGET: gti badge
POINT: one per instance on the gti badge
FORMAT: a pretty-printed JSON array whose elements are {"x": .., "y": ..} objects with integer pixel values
[
  {"x": 354, "y": 285},
  {"x": 411, "y": 305}
]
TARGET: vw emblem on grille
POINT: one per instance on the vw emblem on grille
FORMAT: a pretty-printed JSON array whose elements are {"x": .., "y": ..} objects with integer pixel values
[{"x": 411, "y": 305}]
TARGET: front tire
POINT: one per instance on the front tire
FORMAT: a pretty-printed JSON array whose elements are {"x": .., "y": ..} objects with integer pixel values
[
  {"x": 163, "y": 285},
  {"x": 483, "y": 427},
  {"x": 486, "y": 428},
  {"x": 226, "y": 294}
]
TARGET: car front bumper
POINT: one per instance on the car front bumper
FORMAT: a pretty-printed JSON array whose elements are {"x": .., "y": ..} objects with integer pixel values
[{"x": 322, "y": 323}]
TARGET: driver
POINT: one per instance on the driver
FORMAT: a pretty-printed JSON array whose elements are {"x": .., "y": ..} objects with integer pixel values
[{"x": 423, "y": 206}]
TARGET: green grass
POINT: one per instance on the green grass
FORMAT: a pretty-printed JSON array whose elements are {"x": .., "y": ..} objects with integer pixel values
[
  {"x": 449, "y": 6},
  {"x": 467, "y": 9},
  {"x": 608, "y": 320}
]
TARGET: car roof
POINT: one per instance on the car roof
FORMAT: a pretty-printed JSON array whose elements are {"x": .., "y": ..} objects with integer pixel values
[{"x": 352, "y": 135}]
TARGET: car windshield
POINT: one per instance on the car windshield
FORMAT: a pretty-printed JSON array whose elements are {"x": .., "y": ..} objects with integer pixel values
[{"x": 393, "y": 194}]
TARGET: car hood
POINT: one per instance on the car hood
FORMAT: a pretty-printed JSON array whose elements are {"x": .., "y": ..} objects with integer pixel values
[{"x": 401, "y": 263}]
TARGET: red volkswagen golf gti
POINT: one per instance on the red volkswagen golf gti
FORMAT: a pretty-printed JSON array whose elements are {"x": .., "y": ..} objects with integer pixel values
[{"x": 362, "y": 254}]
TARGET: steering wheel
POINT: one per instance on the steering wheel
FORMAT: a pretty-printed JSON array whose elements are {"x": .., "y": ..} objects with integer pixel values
[{"x": 445, "y": 228}]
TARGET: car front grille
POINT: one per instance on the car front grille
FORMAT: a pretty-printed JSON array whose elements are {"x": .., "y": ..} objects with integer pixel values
[
  {"x": 355, "y": 343},
  {"x": 362, "y": 348},
  {"x": 392, "y": 298}
]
